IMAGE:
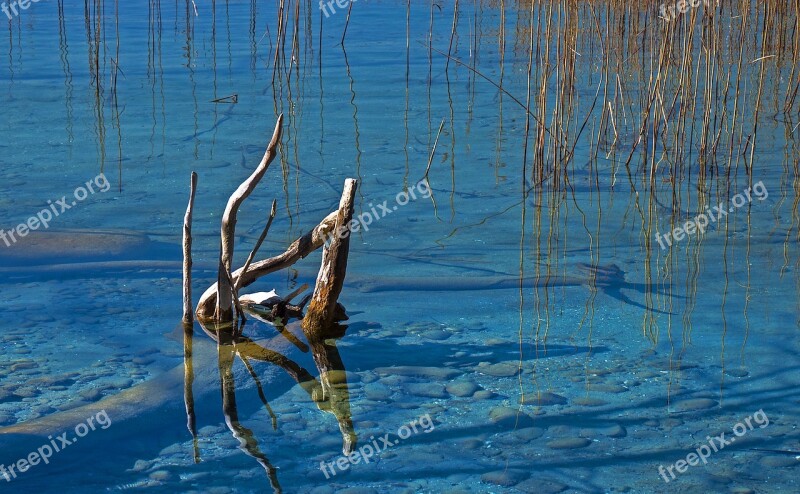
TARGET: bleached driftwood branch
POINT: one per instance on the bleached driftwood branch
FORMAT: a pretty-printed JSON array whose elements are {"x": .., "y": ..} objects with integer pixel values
[
  {"x": 188, "y": 315},
  {"x": 224, "y": 309}
]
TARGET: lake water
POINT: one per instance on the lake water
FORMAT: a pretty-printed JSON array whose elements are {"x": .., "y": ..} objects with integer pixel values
[{"x": 571, "y": 299}]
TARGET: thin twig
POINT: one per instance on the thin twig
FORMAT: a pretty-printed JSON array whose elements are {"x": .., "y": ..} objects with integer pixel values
[
  {"x": 433, "y": 151},
  {"x": 263, "y": 236}
]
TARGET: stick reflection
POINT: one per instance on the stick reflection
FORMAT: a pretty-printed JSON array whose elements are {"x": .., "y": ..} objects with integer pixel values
[{"x": 330, "y": 392}]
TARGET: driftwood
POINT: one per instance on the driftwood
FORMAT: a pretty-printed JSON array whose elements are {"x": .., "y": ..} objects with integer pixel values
[
  {"x": 322, "y": 312},
  {"x": 188, "y": 321},
  {"x": 260, "y": 241},
  {"x": 215, "y": 313},
  {"x": 298, "y": 250},
  {"x": 224, "y": 309},
  {"x": 217, "y": 303},
  {"x": 188, "y": 315},
  {"x": 320, "y": 323}
]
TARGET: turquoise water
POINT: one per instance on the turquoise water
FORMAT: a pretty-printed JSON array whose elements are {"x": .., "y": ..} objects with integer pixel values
[{"x": 538, "y": 334}]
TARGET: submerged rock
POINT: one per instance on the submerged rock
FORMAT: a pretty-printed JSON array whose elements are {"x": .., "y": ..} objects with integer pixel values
[
  {"x": 505, "y": 478},
  {"x": 507, "y": 416},
  {"x": 777, "y": 461},
  {"x": 609, "y": 388},
  {"x": 694, "y": 404},
  {"x": 545, "y": 398},
  {"x": 483, "y": 394},
  {"x": 737, "y": 372},
  {"x": 436, "y": 335},
  {"x": 377, "y": 392},
  {"x": 427, "y": 390},
  {"x": 569, "y": 443},
  {"x": 462, "y": 388},
  {"x": 502, "y": 369},
  {"x": 589, "y": 401},
  {"x": 434, "y": 373},
  {"x": 615, "y": 431},
  {"x": 75, "y": 245},
  {"x": 6, "y": 397},
  {"x": 540, "y": 486}
]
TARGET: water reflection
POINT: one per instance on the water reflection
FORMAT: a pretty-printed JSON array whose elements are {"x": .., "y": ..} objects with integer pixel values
[
  {"x": 64, "y": 57},
  {"x": 329, "y": 391}
]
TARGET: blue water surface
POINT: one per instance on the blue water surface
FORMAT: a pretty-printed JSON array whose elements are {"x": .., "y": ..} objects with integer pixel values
[{"x": 515, "y": 324}]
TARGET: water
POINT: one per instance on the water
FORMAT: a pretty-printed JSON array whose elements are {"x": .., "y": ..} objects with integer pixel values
[{"x": 523, "y": 317}]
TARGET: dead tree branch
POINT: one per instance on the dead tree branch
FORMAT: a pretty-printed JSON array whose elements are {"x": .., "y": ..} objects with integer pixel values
[
  {"x": 322, "y": 309},
  {"x": 224, "y": 312},
  {"x": 188, "y": 315}
]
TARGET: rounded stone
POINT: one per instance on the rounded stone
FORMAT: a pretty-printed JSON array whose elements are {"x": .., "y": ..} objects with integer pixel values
[
  {"x": 695, "y": 404},
  {"x": 483, "y": 394},
  {"x": 776, "y": 461},
  {"x": 588, "y": 401},
  {"x": 540, "y": 486},
  {"x": 160, "y": 475},
  {"x": 545, "y": 398},
  {"x": 502, "y": 369},
  {"x": 436, "y": 334},
  {"x": 377, "y": 392},
  {"x": 427, "y": 390},
  {"x": 737, "y": 372},
  {"x": 569, "y": 443},
  {"x": 462, "y": 389},
  {"x": 507, "y": 416},
  {"x": 615, "y": 431},
  {"x": 505, "y": 478}
]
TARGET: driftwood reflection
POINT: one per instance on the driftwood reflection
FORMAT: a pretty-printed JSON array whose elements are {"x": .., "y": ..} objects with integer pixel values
[
  {"x": 330, "y": 392},
  {"x": 335, "y": 397},
  {"x": 226, "y": 351},
  {"x": 188, "y": 381}
]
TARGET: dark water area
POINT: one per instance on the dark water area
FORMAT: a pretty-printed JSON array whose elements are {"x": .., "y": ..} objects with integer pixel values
[{"x": 575, "y": 268}]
